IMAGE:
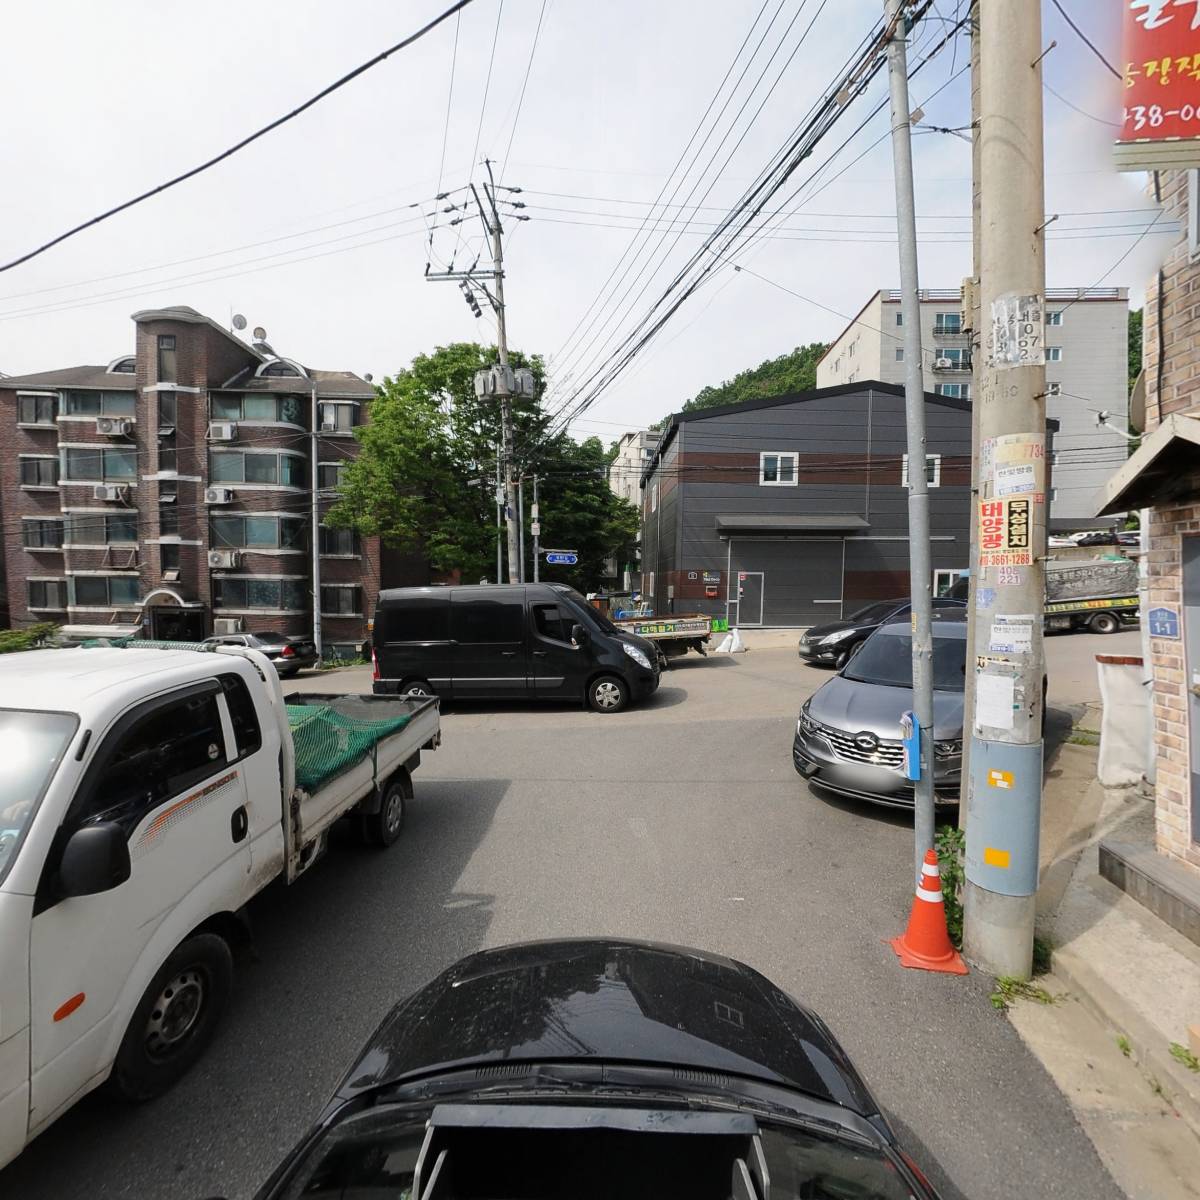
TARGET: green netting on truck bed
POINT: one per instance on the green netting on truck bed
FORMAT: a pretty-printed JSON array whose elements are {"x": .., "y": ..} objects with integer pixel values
[{"x": 331, "y": 740}]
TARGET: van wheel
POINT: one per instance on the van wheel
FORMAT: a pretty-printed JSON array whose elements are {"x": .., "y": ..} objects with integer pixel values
[
  {"x": 416, "y": 687},
  {"x": 383, "y": 828},
  {"x": 174, "y": 1019},
  {"x": 1104, "y": 623},
  {"x": 608, "y": 694}
]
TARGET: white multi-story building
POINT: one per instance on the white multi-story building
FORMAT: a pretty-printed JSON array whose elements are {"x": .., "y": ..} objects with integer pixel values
[
  {"x": 634, "y": 451},
  {"x": 1086, "y": 373}
]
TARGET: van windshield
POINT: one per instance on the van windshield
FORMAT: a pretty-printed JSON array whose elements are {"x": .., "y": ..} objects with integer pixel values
[
  {"x": 32, "y": 744},
  {"x": 591, "y": 615}
]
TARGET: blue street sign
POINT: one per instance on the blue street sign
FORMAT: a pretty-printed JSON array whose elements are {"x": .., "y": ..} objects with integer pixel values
[
  {"x": 565, "y": 558},
  {"x": 1164, "y": 623}
]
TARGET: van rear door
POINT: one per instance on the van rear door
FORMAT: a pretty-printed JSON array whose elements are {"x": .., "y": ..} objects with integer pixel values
[{"x": 491, "y": 654}]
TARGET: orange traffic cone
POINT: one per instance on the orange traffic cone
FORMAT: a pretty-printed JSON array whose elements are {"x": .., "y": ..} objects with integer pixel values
[{"x": 926, "y": 944}]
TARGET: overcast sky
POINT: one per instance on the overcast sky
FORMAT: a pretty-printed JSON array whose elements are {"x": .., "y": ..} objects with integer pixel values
[{"x": 309, "y": 232}]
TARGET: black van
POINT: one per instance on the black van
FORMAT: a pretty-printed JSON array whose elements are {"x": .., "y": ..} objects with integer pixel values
[{"x": 538, "y": 641}]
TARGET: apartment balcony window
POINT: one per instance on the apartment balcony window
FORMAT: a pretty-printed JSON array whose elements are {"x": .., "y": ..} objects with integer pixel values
[
  {"x": 339, "y": 543},
  {"x": 38, "y": 533},
  {"x": 287, "y": 410},
  {"x": 330, "y": 476},
  {"x": 951, "y": 358},
  {"x": 961, "y": 390},
  {"x": 269, "y": 467},
  {"x": 259, "y": 594},
  {"x": 38, "y": 471},
  {"x": 264, "y": 532},
  {"x": 338, "y": 418},
  {"x": 947, "y": 323},
  {"x": 168, "y": 413},
  {"x": 37, "y": 410},
  {"x": 94, "y": 465},
  {"x": 99, "y": 404},
  {"x": 338, "y": 601},
  {"x": 101, "y": 529},
  {"x": 105, "y": 591},
  {"x": 48, "y": 594},
  {"x": 166, "y": 358},
  {"x": 168, "y": 559}
]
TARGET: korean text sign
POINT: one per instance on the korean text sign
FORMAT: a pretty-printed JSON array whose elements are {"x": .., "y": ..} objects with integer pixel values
[
  {"x": 1005, "y": 532},
  {"x": 1161, "y": 59}
]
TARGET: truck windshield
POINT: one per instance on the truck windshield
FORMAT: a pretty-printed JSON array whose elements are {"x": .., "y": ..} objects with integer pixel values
[{"x": 32, "y": 744}]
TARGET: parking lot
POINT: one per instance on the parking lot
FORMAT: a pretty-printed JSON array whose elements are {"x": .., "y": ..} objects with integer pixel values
[{"x": 682, "y": 821}]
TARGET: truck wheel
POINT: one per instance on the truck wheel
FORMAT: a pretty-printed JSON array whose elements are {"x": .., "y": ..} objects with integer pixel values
[
  {"x": 383, "y": 828},
  {"x": 608, "y": 694},
  {"x": 174, "y": 1019},
  {"x": 1104, "y": 622},
  {"x": 419, "y": 688}
]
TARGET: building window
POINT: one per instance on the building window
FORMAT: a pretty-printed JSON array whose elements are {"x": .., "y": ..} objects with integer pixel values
[
  {"x": 899, "y": 318},
  {"x": 1053, "y": 389},
  {"x": 36, "y": 410},
  {"x": 933, "y": 470},
  {"x": 279, "y": 370},
  {"x": 777, "y": 470},
  {"x": 1193, "y": 213},
  {"x": 947, "y": 322},
  {"x": 654, "y": 496},
  {"x": 166, "y": 358},
  {"x": 123, "y": 366},
  {"x": 271, "y": 594},
  {"x": 168, "y": 556},
  {"x": 168, "y": 413},
  {"x": 93, "y": 465},
  {"x": 899, "y": 353},
  {"x": 105, "y": 591},
  {"x": 330, "y": 476},
  {"x": 39, "y": 472},
  {"x": 236, "y": 466},
  {"x": 101, "y": 529},
  {"x": 228, "y": 407},
  {"x": 41, "y": 534},
  {"x": 339, "y": 418},
  {"x": 951, "y": 358},
  {"x": 257, "y": 533},
  {"x": 168, "y": 460},
  {"x": 47, "y": 593},
  {"x": 168, "y": 519},
  {"x": 961, "y": 390},
  {"x": 341, "y": 601},
  {"x": 340, "y": 543},
  {"x": 853, "y": 348},
  {"x": 1055, "y": 318},
  {"x": 1054, "y": 354},
  {"x": 99, "y": 404}
]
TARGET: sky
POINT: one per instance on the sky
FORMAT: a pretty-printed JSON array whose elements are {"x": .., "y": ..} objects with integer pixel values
[{"x": 320, "y": 232}]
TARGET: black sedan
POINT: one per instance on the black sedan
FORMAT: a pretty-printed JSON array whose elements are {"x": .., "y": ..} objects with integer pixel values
[
  {"x": 291, "y": 655},
  {"x": 834, "y": 642},
  {"x": 601, "y": 1067}
]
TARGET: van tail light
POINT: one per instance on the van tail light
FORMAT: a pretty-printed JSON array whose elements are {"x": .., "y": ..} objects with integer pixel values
[
  {"x": 374, "y": 664},
  {"x": 288, "y": 652}
]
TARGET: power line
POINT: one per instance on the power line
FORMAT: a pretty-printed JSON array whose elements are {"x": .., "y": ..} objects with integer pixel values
[
  {"x": 537, "y": 33},
  {"x": 1083, "y": 37},
  {"x": 232, "y": 150},
  {"x": 446, "y": 124},
  {"x": 487, "y": 84}
]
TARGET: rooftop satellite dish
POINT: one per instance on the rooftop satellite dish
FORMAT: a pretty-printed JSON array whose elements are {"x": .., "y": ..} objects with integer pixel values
[
  {"x": 239, "y": 322},
  {"x": 260, "y": 334}
]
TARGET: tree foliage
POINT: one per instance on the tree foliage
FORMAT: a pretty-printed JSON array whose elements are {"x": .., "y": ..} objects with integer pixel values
[
  {"x": 792, "y": 372},
  {"x": 1135, "y": 346},
  {"x": 424, "y": 481}
]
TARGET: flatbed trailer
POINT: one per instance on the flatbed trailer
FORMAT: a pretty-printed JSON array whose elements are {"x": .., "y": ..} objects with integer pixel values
[{"x": 674, "y": 635}]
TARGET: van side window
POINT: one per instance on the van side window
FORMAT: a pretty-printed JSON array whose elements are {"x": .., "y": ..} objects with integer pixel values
[
  {"x": 549, "y": 621},
  {"x": 414, "y": 619},
  {"x": 493, "y": 619},
  {"x": 173, "y": 747},
  {"x": 246, "y": 732}
]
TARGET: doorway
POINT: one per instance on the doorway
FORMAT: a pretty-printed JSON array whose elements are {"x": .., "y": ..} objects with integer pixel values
[{"x": 751, "y": 587}]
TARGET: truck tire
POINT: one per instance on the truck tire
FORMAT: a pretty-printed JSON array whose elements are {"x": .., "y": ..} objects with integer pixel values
[
  {"x": 175, "y": 1018},
  {"x": 607, "y": 694},
  {"x": 420, "y": 688},
  {"x": 1104, "y": 622},
  {"x": 383, "y": 828}
]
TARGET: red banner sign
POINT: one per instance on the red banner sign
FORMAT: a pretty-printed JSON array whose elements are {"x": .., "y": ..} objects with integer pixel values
[{"x": 1161, "y": 57}]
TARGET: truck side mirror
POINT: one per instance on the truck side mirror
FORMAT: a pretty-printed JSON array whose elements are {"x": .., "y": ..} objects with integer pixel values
[
  {"x": 579, "y": 635},
  {"x": 95, "y": 859}
]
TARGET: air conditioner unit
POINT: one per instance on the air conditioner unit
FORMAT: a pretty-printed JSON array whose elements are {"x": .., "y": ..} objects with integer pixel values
[
  {"x": 218, "y": 495},
  {"x": 227, "y": 625},
  {"x": 944, "y": 364},
  {"x": 328, "y": 427},
  {"x": 223, "y": 558},
  {"x": 109, "y": 491},
  {"x": 222, "y": 431},
  {"x": 120, "y": 426}
]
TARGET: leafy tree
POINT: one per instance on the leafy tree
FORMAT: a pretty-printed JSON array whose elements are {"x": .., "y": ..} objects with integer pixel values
[
  {"x": 423, "y": 481},
  {"x": 793, "y": 372},
  {"x": 1135, "y": 346},
  {"x": 28, "y": 638}
]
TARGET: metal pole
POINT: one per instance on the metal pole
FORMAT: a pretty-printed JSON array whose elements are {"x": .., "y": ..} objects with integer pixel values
[
  {"x": 975, "y": 326},
  {"x": 316, "y": 523},
  {"x": 920, "y": 567},
  {"x": 499, "y": 522},
  {"x": 506, "y": 415},
  {"x": 1004, "y": 792},
  {"x": 537, "y": 532},
  {"x": 521, "y": 526}
]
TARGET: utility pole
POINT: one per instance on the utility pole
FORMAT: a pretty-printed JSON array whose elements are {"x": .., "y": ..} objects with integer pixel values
[
  {"x": 920, "y": 566},
  {"x": 521, "y": 527},
  {"x": 499, "y": 521},
  {"x": 974, "y": 326},
  {"x": 1005, "y": 785},
  {"x": 315, "y": 424},
  {"x": 536, "y": 530}
]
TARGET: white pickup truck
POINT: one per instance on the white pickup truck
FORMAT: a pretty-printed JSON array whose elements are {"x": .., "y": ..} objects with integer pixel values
[{"x": 145, "y": 796}]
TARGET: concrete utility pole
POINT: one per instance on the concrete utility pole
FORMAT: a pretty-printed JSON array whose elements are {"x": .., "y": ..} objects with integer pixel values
[
  {"x": 316, "y": 521},
  {"x": 1005, "y": 785},
  {"x": 499, "y": 520},
  {"x": 920, "y": 566},
  {"x": 536, "y": 530},
  {"x": 521, "y": 526},
  {"x": 974, "y": 325}
]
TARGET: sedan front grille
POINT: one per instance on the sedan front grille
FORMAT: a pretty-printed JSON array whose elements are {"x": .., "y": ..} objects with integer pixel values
[{"x": 885, "y": 754}]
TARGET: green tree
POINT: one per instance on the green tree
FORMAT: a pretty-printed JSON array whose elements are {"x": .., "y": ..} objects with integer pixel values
[
  {"x": 793, "y": 372},
  {"x": 423, "y": 481},
  {"x": 1135, "y": 346}
]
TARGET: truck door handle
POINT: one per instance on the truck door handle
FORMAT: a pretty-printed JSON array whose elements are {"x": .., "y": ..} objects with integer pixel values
[{"x": 239, "y": 823}]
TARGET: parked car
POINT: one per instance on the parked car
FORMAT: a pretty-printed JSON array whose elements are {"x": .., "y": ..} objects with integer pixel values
[
  {"x": 835, "y": 641},
  {"x": 290, "y": 655},
  {"x": 1129, "y": 537},
  {"x": 1100, "y": 538},
  {"x": 540, "y": 641},
  {"x": 601, "y": 1067}
]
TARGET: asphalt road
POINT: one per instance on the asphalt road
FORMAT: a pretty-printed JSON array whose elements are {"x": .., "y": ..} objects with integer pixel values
[{"x": 682, "y": 821}]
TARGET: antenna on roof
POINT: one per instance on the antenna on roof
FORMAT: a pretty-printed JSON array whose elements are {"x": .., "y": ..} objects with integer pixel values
[
  {"x": 238, "y": 322},
  {"x": 260, "y": 334},
  {"x": 369, "y": 377}
]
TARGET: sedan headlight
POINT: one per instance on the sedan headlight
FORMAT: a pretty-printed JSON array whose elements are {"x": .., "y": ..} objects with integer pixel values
[
  {"x": 947, "y": 749},
  {"x": 840, "y": 636},
  {"x": 806, "y": 724},
  {"x": 636, "y": 654}
]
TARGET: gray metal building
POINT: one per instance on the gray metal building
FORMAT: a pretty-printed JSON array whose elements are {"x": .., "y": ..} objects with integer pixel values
[{"x": 793, "y": 510}]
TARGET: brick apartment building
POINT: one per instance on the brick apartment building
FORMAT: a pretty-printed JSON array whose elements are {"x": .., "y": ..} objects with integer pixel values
[{"x": 168, "y": 493}]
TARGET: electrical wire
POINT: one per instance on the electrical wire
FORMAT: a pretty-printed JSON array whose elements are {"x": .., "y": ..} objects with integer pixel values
[
  {"x": 537, "y": 33},
  {"x": 1083, "y": 37},
  {"x": 487, "y": 84},
  {"x": 241, "y": 145}
]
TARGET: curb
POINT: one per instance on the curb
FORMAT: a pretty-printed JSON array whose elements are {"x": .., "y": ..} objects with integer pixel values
[{"x": 1150, "y": 1049}]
